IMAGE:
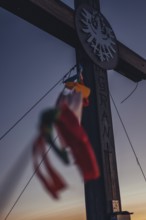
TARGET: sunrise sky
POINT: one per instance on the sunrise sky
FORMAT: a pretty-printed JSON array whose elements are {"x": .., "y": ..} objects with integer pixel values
[{"x": 32, "y": 61}]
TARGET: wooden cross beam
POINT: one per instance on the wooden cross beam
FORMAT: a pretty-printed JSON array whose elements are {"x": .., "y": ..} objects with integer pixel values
[
  {"x": 102, "y": 196},
  {"x": 57, "y": 19}
]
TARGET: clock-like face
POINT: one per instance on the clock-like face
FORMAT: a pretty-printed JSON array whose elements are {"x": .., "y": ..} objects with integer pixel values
[{"x": 96, "y": 36}]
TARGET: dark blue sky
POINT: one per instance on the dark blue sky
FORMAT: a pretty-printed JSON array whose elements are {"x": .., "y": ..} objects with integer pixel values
[{"x": 31, "y": 62}]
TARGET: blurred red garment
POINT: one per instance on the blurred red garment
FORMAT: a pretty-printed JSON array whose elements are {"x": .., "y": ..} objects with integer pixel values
[
  {"x": 52, "y": 182},
  {"x": 65, "y": 117}
]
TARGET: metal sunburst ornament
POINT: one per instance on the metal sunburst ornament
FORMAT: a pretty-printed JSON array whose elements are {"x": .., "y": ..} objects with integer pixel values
[{"x": 96, "y": 36}]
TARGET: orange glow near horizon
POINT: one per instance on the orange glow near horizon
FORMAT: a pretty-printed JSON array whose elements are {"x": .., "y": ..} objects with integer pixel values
[{"x": 75, "y": 213}]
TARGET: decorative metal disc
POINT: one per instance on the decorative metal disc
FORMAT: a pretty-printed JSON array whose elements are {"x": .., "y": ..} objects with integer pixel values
[{"x": 96, "y": 36}]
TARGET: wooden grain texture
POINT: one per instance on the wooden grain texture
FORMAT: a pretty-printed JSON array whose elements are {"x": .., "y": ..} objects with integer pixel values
[
  {"x": 57, "y": 19},
  {"x": 136, "y": 64},
  {"x": 97, "y": 122},
  {"x": 58, "y": 10}
]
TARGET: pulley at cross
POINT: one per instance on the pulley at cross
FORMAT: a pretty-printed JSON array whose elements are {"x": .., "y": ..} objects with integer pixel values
[{"x": 103, "y": 195}]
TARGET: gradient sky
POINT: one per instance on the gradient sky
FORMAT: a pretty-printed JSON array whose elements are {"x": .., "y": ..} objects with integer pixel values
[{"x": 31, "y": 62}]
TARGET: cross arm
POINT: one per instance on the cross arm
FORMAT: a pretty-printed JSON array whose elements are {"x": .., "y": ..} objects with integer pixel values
[
  {"x": 130, "y": 64},
  {"x": 57, "y": 19}
]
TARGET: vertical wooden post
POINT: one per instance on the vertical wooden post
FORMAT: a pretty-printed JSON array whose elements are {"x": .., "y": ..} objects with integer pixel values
[{"x": 102, "y": 195}]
